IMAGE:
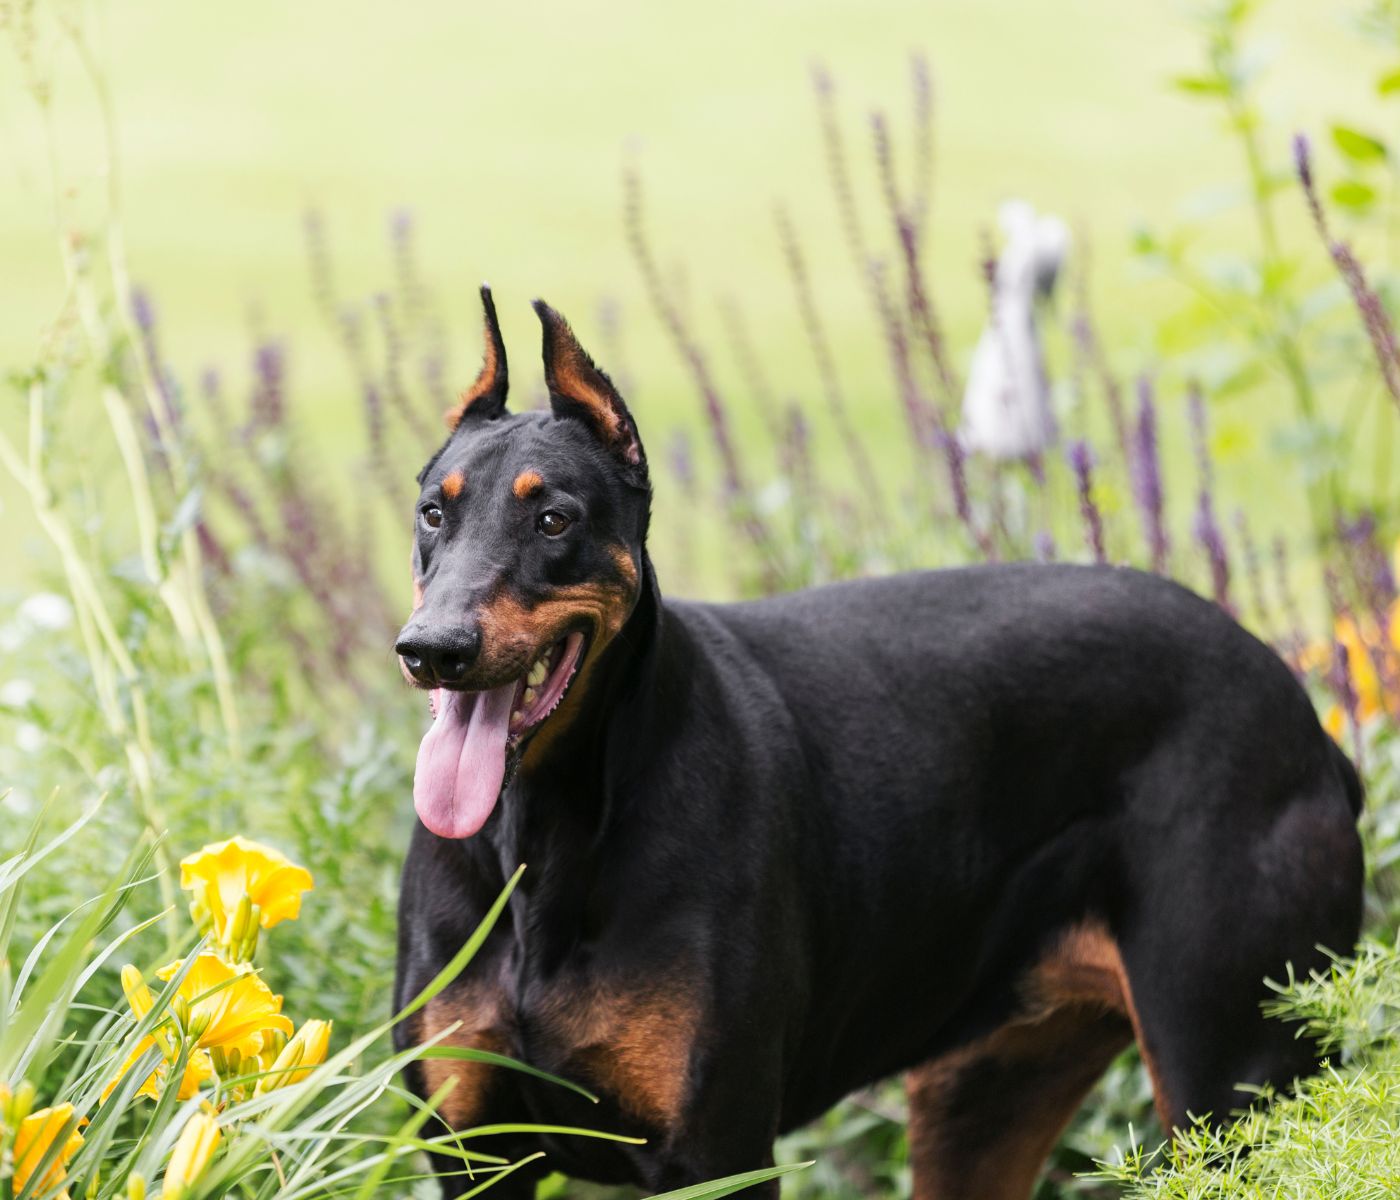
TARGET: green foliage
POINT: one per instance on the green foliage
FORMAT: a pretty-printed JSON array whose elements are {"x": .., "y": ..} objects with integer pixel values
[{"x": 1337, "y": 1138}]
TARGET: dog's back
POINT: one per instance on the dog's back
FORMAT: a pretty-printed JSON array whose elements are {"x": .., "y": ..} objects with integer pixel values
[{"x": 1054, "y": 747}]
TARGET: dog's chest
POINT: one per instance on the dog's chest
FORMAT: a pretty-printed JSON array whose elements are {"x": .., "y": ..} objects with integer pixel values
[{"x": 631, "y": 1042}]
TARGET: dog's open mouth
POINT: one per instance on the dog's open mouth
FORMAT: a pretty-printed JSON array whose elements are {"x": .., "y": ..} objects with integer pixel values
[{"x": 466, "y": 757}]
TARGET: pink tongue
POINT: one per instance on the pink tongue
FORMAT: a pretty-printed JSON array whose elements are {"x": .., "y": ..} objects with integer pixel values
[{"x": 462, "y": 760}]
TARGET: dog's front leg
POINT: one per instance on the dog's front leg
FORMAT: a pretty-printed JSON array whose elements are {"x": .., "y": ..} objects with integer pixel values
[{"x": 730, "y": 1122}]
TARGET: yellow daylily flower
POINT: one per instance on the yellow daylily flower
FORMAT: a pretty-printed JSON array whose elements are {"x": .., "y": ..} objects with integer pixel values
[
  {"x": 221, "y": 874},
  {"x": 33, "y": 1139},
  {"x": 1362, "y": 643},
  {"x": 305, "y": 1051},
  {"x": 198, "y": 1068},
  {"x": 225, "y": 1006},
  {"x": 193, "y": 1150}
]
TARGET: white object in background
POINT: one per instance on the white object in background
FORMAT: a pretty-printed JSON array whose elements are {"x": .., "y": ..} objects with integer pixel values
[{"x": 1006, "y": 407}]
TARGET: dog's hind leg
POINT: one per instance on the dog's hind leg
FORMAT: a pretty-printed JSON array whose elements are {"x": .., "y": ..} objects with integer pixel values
[
  {"x": 1212, "y": 914},
  {"x": 983, "y": 1118}
]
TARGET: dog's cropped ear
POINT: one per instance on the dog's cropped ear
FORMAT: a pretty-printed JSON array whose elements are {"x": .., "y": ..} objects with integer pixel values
[
  {"x": 486, "y": 398},
  {"x": 579, "y": 391}
]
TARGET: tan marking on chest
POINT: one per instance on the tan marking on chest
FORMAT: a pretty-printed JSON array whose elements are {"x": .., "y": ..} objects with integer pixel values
[
  {"x": 634, "y": 1046},
  {"x": 481, "y": 1028}
]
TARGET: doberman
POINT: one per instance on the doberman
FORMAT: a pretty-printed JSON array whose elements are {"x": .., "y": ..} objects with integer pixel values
[{"x": 985, "y": 826}]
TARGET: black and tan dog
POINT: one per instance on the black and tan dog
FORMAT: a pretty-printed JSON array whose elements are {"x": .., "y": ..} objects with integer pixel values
[{"x": 985, "y": 826}]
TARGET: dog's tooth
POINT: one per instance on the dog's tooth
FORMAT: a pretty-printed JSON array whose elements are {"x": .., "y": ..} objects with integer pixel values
[
  {"x": 537, "y": 673},
  {"x": 529, "y": 695}
]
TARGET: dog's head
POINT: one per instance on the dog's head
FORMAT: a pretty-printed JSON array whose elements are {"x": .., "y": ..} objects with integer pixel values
[{"x": 528, "y": 551}]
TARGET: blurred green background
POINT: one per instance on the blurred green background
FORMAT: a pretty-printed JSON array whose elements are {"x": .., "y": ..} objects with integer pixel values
[{"x": 505, "y": 130}]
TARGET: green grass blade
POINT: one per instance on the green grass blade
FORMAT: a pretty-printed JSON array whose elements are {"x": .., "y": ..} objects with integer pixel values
[
  {"x": 466, "y": 953},
  {"x": 471, "y": 1054},
  {"x": 731, "y": 1184}
]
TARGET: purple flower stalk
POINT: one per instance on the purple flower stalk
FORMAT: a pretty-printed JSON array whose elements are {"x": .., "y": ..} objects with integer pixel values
[
  {"x": 1081, "y": 461},
  {"x": 825, "y": 361},
  {"x": 921, "y": 81},
  {"x": 1344, "y": 687},
  {"x": 1253, "y": 570},
  {"x": 1147, "y": 477},
  {"x": 1293, "y": 635},
  {"x": 735, "y": 489},
  {"x": 1374, "y": 318},
  {"x": 270, "y": 369},
  {"x": 1206, "y": 528},
  {"x": 1212, "y": 540}
]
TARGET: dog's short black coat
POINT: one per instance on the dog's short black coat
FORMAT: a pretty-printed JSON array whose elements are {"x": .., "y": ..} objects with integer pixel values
[{"x": 983, "y": 825}]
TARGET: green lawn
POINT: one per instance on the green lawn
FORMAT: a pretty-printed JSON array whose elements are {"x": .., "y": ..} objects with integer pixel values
[{"x": 505, "y": 130}]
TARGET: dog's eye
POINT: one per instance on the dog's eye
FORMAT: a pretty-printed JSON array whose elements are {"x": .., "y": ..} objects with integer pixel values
[
  {"x": 552, "y": 523},
  {"x": 430, "y": 515}
]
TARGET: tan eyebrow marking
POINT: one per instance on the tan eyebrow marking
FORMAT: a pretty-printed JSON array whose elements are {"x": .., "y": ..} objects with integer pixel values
[
  {"x": 526, "y": 484},
  {"x": 452, "y": 485}
]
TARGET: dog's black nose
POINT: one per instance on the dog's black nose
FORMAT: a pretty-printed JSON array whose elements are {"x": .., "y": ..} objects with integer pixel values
[{"x": 435, "y": 655}]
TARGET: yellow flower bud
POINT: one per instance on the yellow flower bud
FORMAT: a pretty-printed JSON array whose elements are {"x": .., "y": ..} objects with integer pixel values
[
  {"x": 136, "y": 1186},
  {"x": 21, "y": 1103},
  {"x": 138, "y": 995},
  {"x": 238, "y": 927},
  {"x": 193, "y": 1150},
  {"x": 306, "y": 1050}
]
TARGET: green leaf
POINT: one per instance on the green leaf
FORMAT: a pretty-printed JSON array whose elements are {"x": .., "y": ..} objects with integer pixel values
[
  {"x": 465, "y": 954},
  {"x": 1389, "y": 83},
  {"x": 1353, "y": 194},
  {"x": 730, "y": 1184},
  {"x": 471, "y": 1054},
  {"x": 1202, "y": 85},
  {"x": 1357, "y": 146}
]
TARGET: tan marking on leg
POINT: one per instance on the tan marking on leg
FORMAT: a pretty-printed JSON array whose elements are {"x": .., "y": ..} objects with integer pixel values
[
  {"x": 527, "y": 484},
  {"x": 984, "y": 1118},
  {"x": 634, "y": 1046},
  {"x": 481, "y": 1029},
  {"x": 1086, "y": 966},
  {"x": 452, "y": 485}
]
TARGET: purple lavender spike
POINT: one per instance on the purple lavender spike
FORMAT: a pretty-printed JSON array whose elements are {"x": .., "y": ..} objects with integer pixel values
[
  {"x": 1208, "y": 534},
  {"x": 682, "y": 458},
  {"x": 1253, "y": 570},
  {"x": 1081, "y": 461},
  {"x": 1293, "y": 638},
  {"x": 1340, "y": 680},
  {"x": 924, "y": 315},
  {"x": 956, "y": 459},
  {"x": 921, "y": 80},
  {"x": 1044, "y": 546},
  {"x": 825, "y": 361},
  {"x": 749, "y": 521},
  {"x": 1091, "y": 348},
  {"x": 1369, "y": 306},
  {"x": 142, "y": 311},
  {"x": 838, "y": 167},
  {"x": 1147, "y": 477},
  {"x": 269, "y": 368},
  {"x": 922, "y": 416},
  {"x": 319, "y": 259},
  {"x": 1206, "y": 528}
]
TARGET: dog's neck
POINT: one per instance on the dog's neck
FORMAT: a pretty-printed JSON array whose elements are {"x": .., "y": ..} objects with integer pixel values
[{"x": 558, "y": 811}]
